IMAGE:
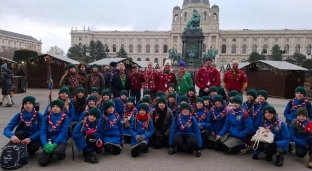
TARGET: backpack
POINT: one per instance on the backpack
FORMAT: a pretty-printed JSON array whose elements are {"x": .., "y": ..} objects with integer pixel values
[
  {"x": 13, "y": 156},
  {"x": 308, "y": 105}
]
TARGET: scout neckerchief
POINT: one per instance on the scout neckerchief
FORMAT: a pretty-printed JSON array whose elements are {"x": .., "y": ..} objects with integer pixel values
[
  {"x": 235, "y": 113},
  {"x": 259, "y": 108},
  {"x": 190, "y": 102},
  {"x": 252, "y": 108},
  {"x": 143, "y": 118},
  {"x": 57, "y": 123},
  {"x": 23, "y": 120},
  {"x": 87, "y": 125},
  {"x": 234, "y": 74},
  {"x": 300, "y": 105},
  {"x": 82, "y": 78},
  {"x": 147, "y": 80},
  {"x": 215, "y": 117},
  {"x": 135, "y": 77},
  {"x": 187, "y": 123},
  {"x": 307, "y": 128},
  {"x": 200, "y": 119},
  {"x": 74, "y": 80},
  {"x": 112, "y": 123},
  {"x": 92, "y": 79},
  {"x": 128, "y": 112},
  {"x": 270, "y": 126},
  {"x": 121, "y": 101}
]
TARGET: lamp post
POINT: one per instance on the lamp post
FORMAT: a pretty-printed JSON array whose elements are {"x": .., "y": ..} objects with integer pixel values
[{"x": 88, "y": 55}]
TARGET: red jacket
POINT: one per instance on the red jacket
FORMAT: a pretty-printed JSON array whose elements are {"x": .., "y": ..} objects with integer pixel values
[
  {"x": 164, "y": 80},
  {"x": 150, "y": 80},
  {"x": 206, "y": 79},
  {"x": 136, "y": 81},
  {"x": 235, "y": 81}
]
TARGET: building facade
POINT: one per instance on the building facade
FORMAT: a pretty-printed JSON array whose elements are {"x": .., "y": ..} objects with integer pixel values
[
  {"x": 19, "y": 41},
  {"x": 231, "y": 44}
]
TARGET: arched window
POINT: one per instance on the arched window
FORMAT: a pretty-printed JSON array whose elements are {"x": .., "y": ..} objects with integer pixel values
[
  {"x": 244, "y": 49},
  {"x": 80, "y": 44},
  {"x": 265, "y": 48},
  {"x": 106, "y": 48},
  {"x": 233, "y": 48},
  {"x": 223, "y": 49},
  {"x": 214, "y": 16},
  {"x": 131, "y": 48},
  {"x": 297, "y": 48},
  {"x": 156, "y": 60},
  {"x": 148, "y": 48},
  {"x": 185, "y": 16},
  {"x": 139, "y": 48},
  {"x": 147, "y": 59},
  {"x": 165, "y": 49},
  {"x": 205, "y": 15},
  {"x": 139, "y": 59},
  {"x": 286, "y": 49},
  {"x": 223, "y": 62},
  {"x": 176, "y": 17},
  {"x": 243, "y": 60},
  {"x": 309, "y": 47},
  {"x": 254, "y": 48},
  {"x": 122, "y": 46},
  {"x": 204, "y": 47},
  {"x": 156, "y": 48},
  {"x": 114, "y": 48}
]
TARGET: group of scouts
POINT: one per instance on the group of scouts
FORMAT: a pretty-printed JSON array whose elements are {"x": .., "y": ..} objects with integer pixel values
[{"x": 106, "y": 119}]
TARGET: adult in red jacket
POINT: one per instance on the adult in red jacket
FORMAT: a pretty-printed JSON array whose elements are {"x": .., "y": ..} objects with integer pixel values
[
  {"x": 136, "y": 80},
  {"x": 235, "y": 79},
  {"x": 166, "y": 77},
  {"x": 206, "y": 77},
  {"x": 150, "y": 80}
]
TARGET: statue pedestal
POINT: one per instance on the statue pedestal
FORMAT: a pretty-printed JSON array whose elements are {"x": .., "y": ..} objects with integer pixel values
[{"x": 190, "y": 67}]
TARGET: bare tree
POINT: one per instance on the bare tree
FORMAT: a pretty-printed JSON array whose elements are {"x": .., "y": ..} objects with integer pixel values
[
  {"x": 56, "y": 50},
  {"x": 8, "y": 52}
]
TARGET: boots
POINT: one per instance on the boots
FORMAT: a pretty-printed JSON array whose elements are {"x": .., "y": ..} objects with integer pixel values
[
  {"x": 310, "y": 162},
  {"x": 268, "y": 157},
  {"x": 279, "y": 160},
  {"x": 90, "y": 158}
]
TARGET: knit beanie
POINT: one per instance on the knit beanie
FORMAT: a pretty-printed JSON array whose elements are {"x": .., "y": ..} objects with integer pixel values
[
  {"x": 94, "y": 89},
  {"x": 71, "y": 66},
  {"x": 161, "y": 99},
  {"x": 173, "y": 95},
  {"x": 182, "y": 64},
  {"x": 208, "y": 58},
  {"x": 105, "y": 92},
  {"x": 113, "y": 64},
  {"x": 58, "y": 102},
  {"x": 253, "y": 93},
  {"x": 92, "y": 97},
  {"x": 233, "y": 93},
  {"x": 217, "y": 98},
  {"x": 95, "y": 112},
  {"x": 64, "y": 90},
  {"x": 147, "y": 91},
  {"x": 183, "y": 98},
  {"x": 199, "y": 100},
  {"x": 130, "y": 99},
  {"x": 205, "y": 98},
  {"x": 221, "y": 91},
  {"x": 80, "y": 89},
  {"x": 124, "y": 92},
  {"x": 302, "y": 111},
  {"x": 142, "y": 106},
  {"x": 301, "y": 90},
  {"x": 263, "y": 93},
  {"x": 108, "y": 104},
  {"x": 146, "y": 99},
  {"x": 213, "y": 89},
  {"x": 191, "y": 88},
  {"x": 95, "y": 66},
  {"x": 269, "y": 108},
  {"x": 109, "y": 90},
  {"x": 172, "y": 85},
  {"x": 4, "y": 66},
  {"x": 185, "y": 106},
  {"x": 237, "y": 99},
  {"x": 30, "y": 99},
  {"x": 160, "y": 93}
]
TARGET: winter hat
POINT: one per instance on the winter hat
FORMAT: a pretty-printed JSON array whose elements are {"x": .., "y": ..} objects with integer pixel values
[
  {"x": 217, "y": 98},
  {"x": 161, "y": 99},
  {"x": 80, "y": 89},
  {"x": 142, "y": 106},
  {"x": 191, "y": 88},
  {"x": 30, "y": 99},
  {"x": 146, "y": 99},
  {"x": 71, "y": 66},
  {"x": 213, "y": 89},
  {"x": 183, "y": 98},
  {"x": 237, "y": 99},
  {"x": 113, "y": 64},
  {"x": 167, "y": 62},
  {"x": 182, "y": 64},
  {"x": 199, "y": 100},
  {"x": 58, "y": 102},
  {"x": 185, "y": 106},
  {"x": 252, "y": 92},
  {"x": 301, "y": 90},
  {"x": 95, "y": 66},
  {"x": 302, "y": 111},
  {"x": 233, "y": 93},
  {"x": 130, "y": 99},
  {"x": 92, "y": 97},
  {"x": 94, "y": 89},
  {"x": 173, "y": 95},
  {"x": 108, "y": 104},
  {"x": 160, "y": 93},
  {"x": 95, "y": 112},
  {"x": 4, "y": 66},
  {"x": 172, "y": 85},
  {"x": 124, "y": 92},
  {"x": 147, "y": 91},
  {"x": 105, "y": 92},
  {"x": 270, "y": 108},
  {"x": 205, "y": 98},
  {"x": 108, "y": 89},
  {"x": 64, "y": 90},
  {"x": 208, "y": 58},
  {"x": 221, "y": 91},
  {"x": 263, "y": 93}
]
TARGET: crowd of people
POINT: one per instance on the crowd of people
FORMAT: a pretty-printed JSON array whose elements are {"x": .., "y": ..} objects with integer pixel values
[{"x": 100, "y": 115}]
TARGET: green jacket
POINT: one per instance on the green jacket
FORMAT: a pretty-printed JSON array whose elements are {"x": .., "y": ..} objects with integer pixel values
[{"x": 184, "y": 83}]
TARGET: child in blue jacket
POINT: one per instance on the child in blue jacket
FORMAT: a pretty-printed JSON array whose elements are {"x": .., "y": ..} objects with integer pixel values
[
  {"x": 146, "y": 93},
  {"x": 236, "y": 128},
  {"x": 53, "y": 134},
  {"x": 172, "y": 103},
  {"x": 150, "y": 106},
  {"x": 121, "y": 102},
  {"x": 249, "y": 105},
  {"x": 281, "y": 137},
  {"x": 79, "y": 104},
  {"x": 185, "y": 132},
  {"x": 106, "y": 96},
  {"x": 110, "y": 130},
  {"x": 141, "y": 130},
  {"x": 85, "y": 135},
  {"x": 95, "y": 92},
  {"x": 257, "y": 115},
  {"x": 300, "y": 131},
  {"x": 129, "y": 112},
  {"x": 28, "y": 124}
]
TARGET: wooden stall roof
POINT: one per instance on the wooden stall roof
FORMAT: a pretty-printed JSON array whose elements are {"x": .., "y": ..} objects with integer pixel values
[
  {"x": 58, "y": 57},
  {"x": 8, "y": 60},
  {"x": 106, "y": 61},
  {"x": 279, "y": 65},
  {"x": 241, "y": 65}
]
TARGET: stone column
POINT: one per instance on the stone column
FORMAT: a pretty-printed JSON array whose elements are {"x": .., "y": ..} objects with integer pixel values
[{"x": 200, "y": 44}]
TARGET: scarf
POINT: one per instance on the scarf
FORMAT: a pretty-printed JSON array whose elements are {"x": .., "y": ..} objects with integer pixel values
[
  {"x": 180, "y": 74},
  {"x": 142, "y": 118}
]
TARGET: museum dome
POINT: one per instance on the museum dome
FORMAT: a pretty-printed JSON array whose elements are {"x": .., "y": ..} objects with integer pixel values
[
  {"x": 185, "y": 2},
  {"x": 215, "y": 6},
  {"x": 176, "y": 8}
]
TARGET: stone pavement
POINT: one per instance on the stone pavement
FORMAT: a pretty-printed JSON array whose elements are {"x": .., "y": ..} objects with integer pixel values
[{"x": 154, "y": 160}]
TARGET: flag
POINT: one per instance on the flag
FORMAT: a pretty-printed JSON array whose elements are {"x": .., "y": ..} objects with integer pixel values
[{"x": 50, "y": 86}]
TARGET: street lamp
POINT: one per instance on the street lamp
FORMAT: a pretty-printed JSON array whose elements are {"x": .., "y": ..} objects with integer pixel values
[{"x": 87, "y": 55}]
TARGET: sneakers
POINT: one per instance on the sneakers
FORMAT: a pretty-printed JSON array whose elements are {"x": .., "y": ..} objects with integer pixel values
[
  {"x": 310, "y": 162},
  {"x": 290, "y": 147},
  {"x": 170, "y": 151},
  {"x": 268, "y": 158},
  {"x": 198, "y": 153},
  {"x": 89, "y": 158},
  {"x": 279, "y": 160},
  {"x": 244, "y": 149}
]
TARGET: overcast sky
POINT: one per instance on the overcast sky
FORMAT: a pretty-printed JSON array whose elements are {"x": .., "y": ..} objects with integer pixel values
[{"x": 51, "y": 21}]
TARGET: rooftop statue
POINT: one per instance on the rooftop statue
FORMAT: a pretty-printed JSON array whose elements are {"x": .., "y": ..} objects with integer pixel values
[{"x": 194, "y": 22}]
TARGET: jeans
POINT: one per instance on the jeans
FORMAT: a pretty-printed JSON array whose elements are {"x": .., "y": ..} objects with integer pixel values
[{"x": 136, "y": 94}]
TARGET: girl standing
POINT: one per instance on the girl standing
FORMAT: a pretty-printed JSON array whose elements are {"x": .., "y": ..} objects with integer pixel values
[{"x": 71, "y": 80}]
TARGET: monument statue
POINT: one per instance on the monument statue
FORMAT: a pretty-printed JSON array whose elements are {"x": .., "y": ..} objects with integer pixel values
[
  {"x": 194, "y": 22},
  {"x": 191, "y": 50},
  {"x": 211, "y": 53},
  {"x": 174, "y": 55}
]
